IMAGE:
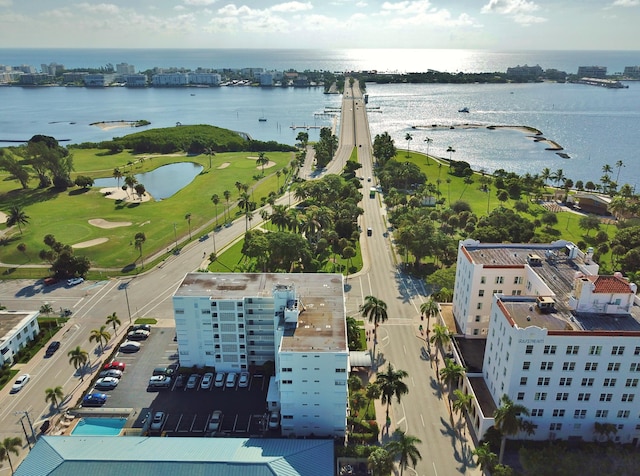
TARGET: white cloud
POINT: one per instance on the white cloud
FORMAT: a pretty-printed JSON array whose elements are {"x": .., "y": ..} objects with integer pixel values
[
  {"x": 199, "y": 3},
  {"x": 626, "y": 3},
  {"x": 179, "y": 8},
  {"x": 519, "y": 10},
  {"x": 102, "y": 8},
  {"x": 361, "y": 4},
  {"x": 232, "y": 10},
  {"x": 289, "y": 7},
  {"x": 6, "y": 3}
]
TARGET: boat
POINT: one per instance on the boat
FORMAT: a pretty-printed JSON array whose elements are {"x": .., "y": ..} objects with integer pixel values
[
  {"x": 464, "y": 109},
  {"x": 262, "y": 119}
]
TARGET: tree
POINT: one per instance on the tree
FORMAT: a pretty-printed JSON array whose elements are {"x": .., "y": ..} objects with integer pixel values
[
  {"x": 188, "y": 218},
  {"x": 485, "y": 458},
  {"x": 353, "y": 334},
  {"x": 462, "y": 403},
  {"x": 114, "y": 320},
  {"x": 54, "y": 396},
  {"x": 450, "y": 374},
  {"x": 440, "y": 338},
  {"x": 507, "y": 420},
  {"x": 589, "y": 222},
  {"x": 46, "y": 309},
  {"x": 227, "y": 196},
  {"x": 140, "y": 190},
  {"x": 408, "y": 137},
  {"x": 429, "y": 309},
  {"x": 10, "y": 445},
  {"x": 376, "y": 311},
  {"x": 450, "y": 150},
  {"x": 549, "y": 219},
  {"x": 117, "y": 174},
  {"x": 383, "y": 148},
  {"x": 139, "y": 240},
  {"x": 17, "y": 216},
  {"x": 16, "y": 168},
  {"x": 380, "y": 462},
  {"x": 619, "y": 165},
  {"x": 404, "y": 448},
  {"x": 100, "y": 335},
  {"x": 215, "y": 199},
  {"x": 372, "y": 392},
  {"x": 262, "y": 160},
  {"x": 428, "y": 141},
  {"x": 84, "y": 181},
  {"x": 130, "y": 181},
  {"x": 78, "y": 358},
  {"x": 390, "y": 383}
]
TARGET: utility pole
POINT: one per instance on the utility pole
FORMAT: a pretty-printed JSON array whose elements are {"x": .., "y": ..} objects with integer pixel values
[
  {"x": 26, "y": 414},
  {"x": 126, "y": 295}
]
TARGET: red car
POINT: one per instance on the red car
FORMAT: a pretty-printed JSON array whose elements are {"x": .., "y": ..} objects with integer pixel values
[{"x": 115, "y": 365}]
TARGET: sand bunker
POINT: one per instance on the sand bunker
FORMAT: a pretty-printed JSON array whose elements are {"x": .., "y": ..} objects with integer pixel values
[
  {"x": 100, "y": 223},
  {"x": 224, "y": 165},
  {"x": 3, "y": 217},
  {"x": 115, "y": 193},
  {"x": 266, "y": 166},
  {"x": 251, "y": 157},
  {"x": 87, "y": 244}
]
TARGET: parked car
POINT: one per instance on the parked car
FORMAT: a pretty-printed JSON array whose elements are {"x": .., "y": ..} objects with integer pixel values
[
  {"x": 65, "y": 312},
  {"x": 52, "y": 348},
  {"x": 243, "y": 381},
  {"x": 74, "y": 281},
  {"x": 274, "y": 420},
  {"x": 141, "y": 327},
  {"x": 160, "y": 381},
  {"x": 158, "y": 421},
  {"x": 206, "y": 381},
  {"x": 220, "y": 376},
  {"x": 50, "y": 281},
  {"x": 107, "y": 382},
  {"x": 138, "y": 335},
  {"x": 163, "y": 371},
  {"x": 369, "y": 231},
  {"x": 111, "y": 373},
  {"x": 94, "y": 400},
  {"x": 214, "y": 422},
  {"x": 129, "y": 346},
  {"x": 115, "y": 365},
  {"x": 231, "y": 379},
  {"x": 172, "y": 368},
  {"x": 193, "y": 381},
  {"x": 20, "y": 383},
  {"x": 45, "y": 426}
]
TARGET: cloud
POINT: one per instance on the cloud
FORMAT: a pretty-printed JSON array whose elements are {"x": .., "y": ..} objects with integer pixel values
[
  {"x": 519, "y": 10},
  {"x": 199, "y": 3},
  {"x": 626, "y": 3},
  {"x": 101, "y": 8},
  {"x": 361, "y": 4},
  {"x": 290, "y": 7},
  {"x": 6, "y": 3}
]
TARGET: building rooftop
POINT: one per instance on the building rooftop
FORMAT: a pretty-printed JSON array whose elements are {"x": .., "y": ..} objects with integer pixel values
[
  {"x": 321, "y": 324},
  {"x": 9, "y": 320}
]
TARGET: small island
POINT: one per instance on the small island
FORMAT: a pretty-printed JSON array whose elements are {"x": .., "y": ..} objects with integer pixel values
[{"x": 107, "y": 125}]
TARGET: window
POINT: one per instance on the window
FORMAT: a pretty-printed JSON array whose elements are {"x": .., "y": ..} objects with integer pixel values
[
  {"x": 555, "y": 426},
  {"x": 526, "y": 365},
  {"x": 523, "y": 380},
  {"x": 479, "y": 306},
  {"x": 520, "y": 396},
  {"x": 340, "y": 383},
  {"x": 631, "y": 382},
  {"x": 595, "y": 350},
  {"x": 481, "y": 293},
  {"x": 537, "y": 412},
  {"x": 287, "y": 382},
  {"x": 627, "y": 397},
  {"x": 605, "y": 397},
  {"x": 580, "y": 414},
  {"x": 613, "y": 366},
  {"x": 341, "y": 370},
  {"x": 483, "y": 280},
  {"x": 549, "y": 349},
  {"x": 617, "y": 350},
  {"x": 562, "y": 396},
  {"x": 584, "y": 397},
  {"x": 558, "y": 413},
  {"x": 476, "y": 332},
  {"x": 529, "y": 349},
  {"x": 591, "y": 366},
  {"x": 568, "y": 366},
  {"x": 602, "y": 413},
  {"x": 623, "y": 413},
  {"x": 499, "y": 279},
  {"x": 546, "y": 365},
  {"x": 543, "y": 380},
  {"x": 287, "y": 369},
  {"x": 540, "y": 396},
  {"x": 477, "y": 318},
  {"x": 637, "y": 351},
  {"x": 634, "y": 367},
  {"x": 572, "y": 349},
  {"x": 587, "y": 382},
  {"x": 565, "y": 381},
  {"x": 517, "y": 280},
  {"x": 609, "y": 382}
]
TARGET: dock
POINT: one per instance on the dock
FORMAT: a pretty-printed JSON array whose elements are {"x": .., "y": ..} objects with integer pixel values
[{"x": 294, "y": 127}]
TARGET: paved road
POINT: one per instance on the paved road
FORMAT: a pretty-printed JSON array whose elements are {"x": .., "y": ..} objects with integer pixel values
[{"x": 421, "y": 413}]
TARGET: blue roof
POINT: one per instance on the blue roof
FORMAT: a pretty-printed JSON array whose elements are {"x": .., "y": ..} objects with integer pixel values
[{"x": 142, "y": 456}]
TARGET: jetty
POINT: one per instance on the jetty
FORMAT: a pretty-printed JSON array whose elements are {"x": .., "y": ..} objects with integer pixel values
[{"x": 603, "y": 83}]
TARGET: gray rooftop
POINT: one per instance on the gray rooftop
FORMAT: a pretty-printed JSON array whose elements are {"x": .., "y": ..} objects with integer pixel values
[{"x": 9, "y": 320}]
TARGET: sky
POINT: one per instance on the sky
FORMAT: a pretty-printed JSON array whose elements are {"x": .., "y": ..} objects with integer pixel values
[{"x": 322, "y": 24}]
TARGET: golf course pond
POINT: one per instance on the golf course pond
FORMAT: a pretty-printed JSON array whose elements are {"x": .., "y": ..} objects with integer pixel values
[{"x": 162, "y": 182}]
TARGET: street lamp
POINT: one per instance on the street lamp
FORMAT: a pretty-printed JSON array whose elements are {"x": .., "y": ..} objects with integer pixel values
[
  {"x": 126, "y": 295},
  {"x": 175, "y": 235},
  {"x": 33, "y": 433}
]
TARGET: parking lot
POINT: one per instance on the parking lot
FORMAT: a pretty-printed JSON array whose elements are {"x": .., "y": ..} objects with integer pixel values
[{"x": 187, "y": 411}]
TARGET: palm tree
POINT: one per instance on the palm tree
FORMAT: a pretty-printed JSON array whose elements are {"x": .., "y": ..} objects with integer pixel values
[
  {"x": 408, "y": 137},
  {"x": 429, "y": 309},
  {"x": 376, "y": 310},
  {"x": 507, "y": 421},
  {"x": 46, "y": 309},
  {"x": 114, "y": 320},
  {"x": 278, "y": 174},
  {"x": 100, "y": 335},
  {"x": 17, "y": 216},
  {"x": 227, "y": 196},
  {"x": 279, "y": 216},
  {"x": 209, "y": 151},
  {"x": 428, "y": 141},
  {"x": 78, "y": 358},
  {"x": 403, "y": 446},
  {"x": 440, "y": 338},
  {"x": 390, "y": 383},
  {"x": 546, "y": 175},
  {"x": 372, "y": 392},
  {"x": 215, "y": 199},
  {"x": 462, "y": 403},
  {"x": 485, "y": 458},
  {"x": 54, "y": 396},
  {"x": 619, "y": 165},
  {"x": 139, "y": 240},
  {"x": 10, "y": 445},
  {"x": 262, "y": 160},
  {"x": 117, "y": 174},
  {"x": 188, "y": 218},
  {"x": 450, "y": 150},
  {"x": 450, "y": 374},
  {"x": 130, "y": 181}
]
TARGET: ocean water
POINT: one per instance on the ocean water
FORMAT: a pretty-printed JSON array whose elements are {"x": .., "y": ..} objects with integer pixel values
[{"x": 596, "y": 126}]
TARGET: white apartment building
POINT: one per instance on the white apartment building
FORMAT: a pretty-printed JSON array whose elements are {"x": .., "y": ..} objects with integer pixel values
[
  {"x": 209, "y": 79},
  {"x": 170, "y": 79},
  {"x": 563, "y": 342},
  {"x": 17, "y": 329},
  {"x": 235, "y": 322}
]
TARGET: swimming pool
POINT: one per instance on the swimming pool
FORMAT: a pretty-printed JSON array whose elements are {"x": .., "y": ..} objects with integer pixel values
[{"x": 99, "y": 426}]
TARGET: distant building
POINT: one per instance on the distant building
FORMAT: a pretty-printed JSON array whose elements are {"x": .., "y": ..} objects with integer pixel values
[
  {"x": 25, "y": 68},
  {"x": 170, "y": 79},
  {"x": 52, "y": 68},
  {"x": 125, "y": 68},
  {"x": 36, "y": 79},
  {"x": 74, "y": 77},
  {"x": 525, "y": 71},
  {"x": 135, "y": 80},
  {"x": 208, "y": 79},
  {"x": 266, "y": 79},
  {"x": 238, "y": 322},
  {"x": 599, "y": 72},
  {"x": 632, "y": 72},
  {"x": 17, "y": 329},
  {"x": 98, "y": 80}
]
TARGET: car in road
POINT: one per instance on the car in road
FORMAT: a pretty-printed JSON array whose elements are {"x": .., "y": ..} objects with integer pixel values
[
  {"x": 140, "y": 334},
  {"x": 129, "y": 347},
  {"x": 158, "y": 420},
  {"x": 74, "y": 281},
  {"x": 193, "y": 381},
  {"x": 231, "y": 379},
  {"x": 243, "y": 381},
  {"x": 274, "y": 420},
  {"x": 115, "y": 365},
  {"x": 94, "y": 400},
  {"x": 220, "y": 376},
  {"x": 368, "y": 179},
  {"x": 52, "y": 348},
  {"x": 369, "y": 231},
  {"x": 107, "y": 383},
  {"x": 206, "y": 381},
  {"x": 20, "y": 383},
  {"x": 160, "y": 381},
  {"x": 115, "y": 373},
  {"x": 215, "y": 420}
]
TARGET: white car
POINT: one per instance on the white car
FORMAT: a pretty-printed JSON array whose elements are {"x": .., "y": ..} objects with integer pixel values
[
  {"x": 107, "y": 382},
  {"x": 219, "y": 379},
  {"x": 274, "y": 420},
  {"x": 214, "y": 422},
  {"x": 231, "y": 379},
  {"x": 20, "y": 383},
  {"x": 74, "y": 281},
  {"x": 158, "y": 421},
  {"x": 140, "y": 334},
  {"x": 244, "y": 380},
  {"x": 161, "y": 381},
  {"x": 130, "y": 346},
  {"x": 111, "y": 373},
  {"x": 206, "y": 381}
]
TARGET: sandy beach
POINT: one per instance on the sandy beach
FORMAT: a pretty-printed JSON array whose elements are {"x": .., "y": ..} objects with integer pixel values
[
  {"x": 115, "y": 193},
  {"x": 108, "y": 125}
]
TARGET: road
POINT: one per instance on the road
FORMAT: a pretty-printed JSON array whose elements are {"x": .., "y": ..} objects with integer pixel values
[{"x": 422, "y": 412}]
